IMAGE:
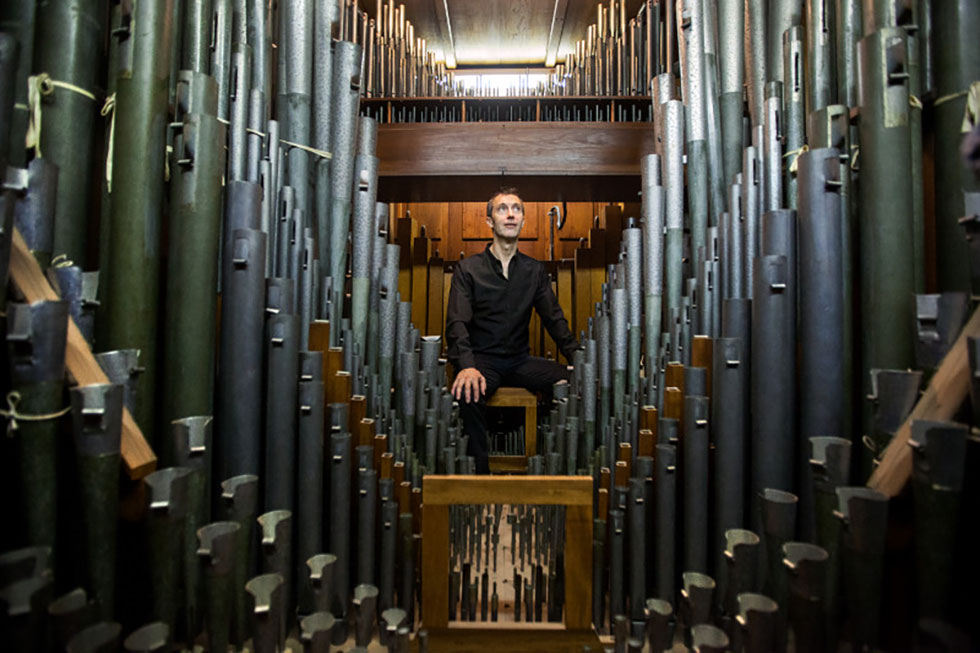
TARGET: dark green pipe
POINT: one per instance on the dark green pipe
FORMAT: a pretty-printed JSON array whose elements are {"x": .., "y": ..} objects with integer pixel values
[{"x": 131, "y": 267}]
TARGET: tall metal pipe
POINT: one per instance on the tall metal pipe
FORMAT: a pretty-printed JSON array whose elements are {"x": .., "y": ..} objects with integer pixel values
[
  {"x": 194, "y": 233},
  {"x": 69, "y": 49},
  {"x": 755, "y": 58},
  {"x": 282, "y": 374},
  {"x": 674, "y": 207},
  {"x": 340, "y": 504},
  {"x": 819, "y": 54},
  {"x": 131, "y": 265},
  {"x": 97, "y": 428},
  {"x": 665, "y": 488},
  {"x": 240, "y": 385},
  {"x": 885, "y": 203},
  {"x": 695, "y": 479},
  {"x": 794, "y": 122},
  {"x": 773, "y": 377}
]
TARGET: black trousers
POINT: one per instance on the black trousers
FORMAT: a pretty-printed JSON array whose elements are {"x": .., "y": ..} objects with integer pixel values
[{"x": 535, "y": 374}]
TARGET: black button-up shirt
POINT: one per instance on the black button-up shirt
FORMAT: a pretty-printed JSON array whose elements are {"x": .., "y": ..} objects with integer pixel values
[{"x": 489, "y": 313}]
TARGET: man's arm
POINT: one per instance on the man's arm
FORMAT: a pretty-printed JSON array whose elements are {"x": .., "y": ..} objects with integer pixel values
[
  {"x": 469, "y": 383},
  {"x": 547, "y": 306}
]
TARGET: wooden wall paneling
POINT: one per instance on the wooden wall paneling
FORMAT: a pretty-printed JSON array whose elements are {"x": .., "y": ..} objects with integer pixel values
[
  {"x": 405, "y": 232},
  {"x": 420, "y": 281},
  {"x": 512, "y": 148},
  {"x": 471, "y": 247},
  {"x": 534, "y": 334},
  {"x": 632, "y": 210},
  {"x": 434, "y": 321},
  {"x": 454, "y": 229},
  {"x": 533, "y": 213},
  {"x": 597, "y": 243},
  {"x": 447, "y": 281},
  {"x": 474, "y": 216},
  {"x": 566, "y": 292},
  {"x": 614, "y": 232},
  {"x": 548, "y": 347},
  {"x": 578, "y": 221},
  {"x": 565, "y": 249},
  {"x": 434, "y": 217},
  {"x": 582, "y": 283}
]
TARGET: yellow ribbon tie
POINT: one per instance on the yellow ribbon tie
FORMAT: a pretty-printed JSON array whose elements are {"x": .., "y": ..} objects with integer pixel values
[
  {"x": 110, "y": 108},
  {"x": 39, "y": 86},
  {"x": 794, "y": 164},
  {"x": 13, "y": 416}
]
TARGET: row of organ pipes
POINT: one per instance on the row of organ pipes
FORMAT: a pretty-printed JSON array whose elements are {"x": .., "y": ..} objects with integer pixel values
[{"x": 761, "y": 338}]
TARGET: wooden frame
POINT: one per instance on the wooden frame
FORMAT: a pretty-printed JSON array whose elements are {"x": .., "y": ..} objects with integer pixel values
[
  {"x": 573, "y": 492},
  {"x": 507, "y": 397}
]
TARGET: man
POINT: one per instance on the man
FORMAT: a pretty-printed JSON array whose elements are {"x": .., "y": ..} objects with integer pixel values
[{"x": 487, "y": 319}]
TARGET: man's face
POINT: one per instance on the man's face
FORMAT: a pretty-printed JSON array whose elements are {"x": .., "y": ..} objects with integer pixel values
[{"x": 506, "y": 217}]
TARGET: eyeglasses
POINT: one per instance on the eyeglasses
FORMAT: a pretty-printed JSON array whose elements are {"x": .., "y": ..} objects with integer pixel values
[{"x": 503, "y": 209}]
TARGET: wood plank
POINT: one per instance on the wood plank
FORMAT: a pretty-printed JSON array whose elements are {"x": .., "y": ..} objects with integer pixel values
[
  {"x": 474, "y": 220},
  {"x": 447, "y": 284},
  {"x": 701, "y": 356},
  {"x": 578, "y": 566},
  {"x": 82, "y": 368},
  {"x": 582, "y": 285},
  {"x": 597, "y": 243},
  {"x": 464, "y": 187},
  {"x": 614, "y": 223},
  {"x": 566, "y": 293},
  {"x": 489, "y": 490},
  {"x": 426, "y": 149},
  {"x": 420, "y": 281},
  {"x": 509, "y": 464},
  {"x": 511, "y": 397},
  {"x": 648, "y": 418},
  {"x": 434, "y": 323},
  {"x": 578, "y": 221},
  {"x": 366, "y": 436},
  {"x": 380, "y": 449},
  {"x": 942, "y": 399},
  {"x": 405, "y": 232},
  {"x": 435, "y": 564},
  {"x": 434, "y": 216},
  {"x": 548, "y": 347},
  {"x": 320, "y": 341},
  {"x": 674, "y": 406},
  {"x": 647, "y": 443}
]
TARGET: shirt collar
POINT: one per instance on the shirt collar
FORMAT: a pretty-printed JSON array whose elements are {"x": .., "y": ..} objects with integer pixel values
[{"x": 495, "y": 262}]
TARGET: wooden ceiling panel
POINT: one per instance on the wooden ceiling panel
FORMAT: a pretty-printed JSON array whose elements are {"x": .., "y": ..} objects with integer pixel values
[
  {"x": 502, "y": 32},
  {"x": 494, "y": 32}
]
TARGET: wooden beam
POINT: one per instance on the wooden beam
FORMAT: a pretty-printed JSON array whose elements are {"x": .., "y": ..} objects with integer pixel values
[
  {"x": 942, "y": 399},
  {"x": 582, "y": 280},
  {"x": 420, "y": 282},
  {"x": 81, "y": 366},
  {"x": 488, "y": 490},
  {"x": 434, "y": 320},
  {"x": 586, "y": 148}
]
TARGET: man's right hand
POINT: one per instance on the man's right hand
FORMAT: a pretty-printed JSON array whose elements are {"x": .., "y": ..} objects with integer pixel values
[{"x": 469, "y": 385}]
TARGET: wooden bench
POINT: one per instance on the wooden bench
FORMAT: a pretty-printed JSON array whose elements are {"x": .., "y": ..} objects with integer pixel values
[{"x": 507, "y": 397}]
